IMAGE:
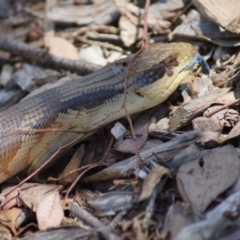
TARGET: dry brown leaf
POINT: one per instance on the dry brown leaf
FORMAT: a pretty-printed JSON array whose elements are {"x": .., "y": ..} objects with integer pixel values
[
  {"x": 211, "y": 129},
  {"x": 138, "y": 230},
  {"x": 89, "y": 157},
  {"x": 197, "y": 26},
  {"x": 72, "y": 165},
  {"x": 60, "y": 47},
  {"x": 225, "y": 117},
  {"x": 99, "y": 12},
  {"x": 131, "y": 22},
  {"x": 141, "y": 131},
  {"x": 9, "y": 218},
  {"x": 223, "y": 12},
  {"x": 191, "y": 109},
  {"x": 33, "y": 193},
  {"x": 200, "y": 182},
  {"x": 129, "y": 32},
  {"x": 150, "y": 182},
  {"x": 127, "y": 167},
  {"x": 222, "y": 118},
  {"x": 206, "y": 124},
  {"x": 199, "y": 87},
  {"x": 128, "y": 23},
  {"x": 159, "y": 126},
  {"x": 10, "y": 198},
  {"x": 115, "y": 154},
  {"x": 50, "y": 212},
  {"x": 176, "y": 218},
  {"x": 5, "y": 232}
]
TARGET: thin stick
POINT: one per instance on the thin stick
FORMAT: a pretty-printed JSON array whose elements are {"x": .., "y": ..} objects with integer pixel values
[
  {"x": 209, "y": 114},
  {"x": 144, "y": 43},
  {"x": 45, "y": 59}
]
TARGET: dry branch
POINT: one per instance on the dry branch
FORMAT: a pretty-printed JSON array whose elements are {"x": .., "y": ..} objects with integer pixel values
[{"x": 43, "y": 58}]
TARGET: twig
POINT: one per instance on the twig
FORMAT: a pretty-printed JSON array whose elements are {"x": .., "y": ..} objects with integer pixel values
[
  {"x": 92, "y": 221},
  {"x": 181, "y": 12},
  {"x": 45, "y": 59},
  {"x": 144, "y": 43},
  {"x": 94, "y": 165},
  {"x": 209, "y": 114},
  {"x": 96, "y": 28},
  {"x": 106, "y": 45},
  {"x": 145, "y": 24},
  {"x": 198, "y": 33}
]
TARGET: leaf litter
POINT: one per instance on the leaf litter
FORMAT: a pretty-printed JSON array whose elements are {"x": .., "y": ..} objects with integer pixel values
[{"x": 193, "y": 137}]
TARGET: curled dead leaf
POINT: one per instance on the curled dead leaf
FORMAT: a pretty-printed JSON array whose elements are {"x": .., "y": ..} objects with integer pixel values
[{"x": 152, "y": 179}]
